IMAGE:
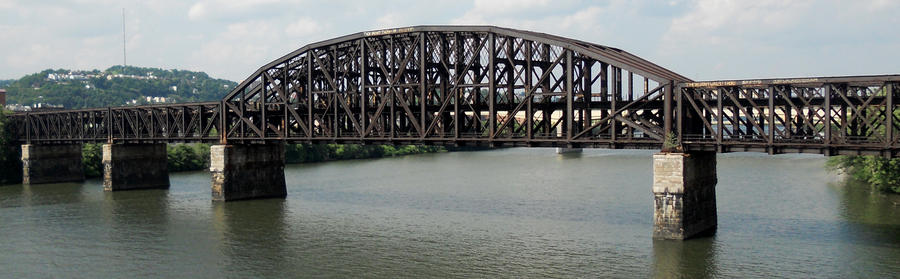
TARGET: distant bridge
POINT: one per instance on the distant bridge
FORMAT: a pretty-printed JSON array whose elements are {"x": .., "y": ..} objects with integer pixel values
[{"x": 492, "y": 86}]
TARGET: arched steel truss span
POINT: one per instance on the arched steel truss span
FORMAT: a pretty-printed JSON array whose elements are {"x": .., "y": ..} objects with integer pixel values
[
  {"x": 492, "y": 86},
  {"x": 454, "y": 85}
]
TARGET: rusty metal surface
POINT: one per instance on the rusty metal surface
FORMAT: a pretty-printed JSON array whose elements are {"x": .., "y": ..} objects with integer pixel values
[{"x": 492, "y": 86}]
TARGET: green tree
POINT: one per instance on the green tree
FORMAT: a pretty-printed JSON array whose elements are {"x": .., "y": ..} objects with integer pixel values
[{"x": 92, "y": 159}]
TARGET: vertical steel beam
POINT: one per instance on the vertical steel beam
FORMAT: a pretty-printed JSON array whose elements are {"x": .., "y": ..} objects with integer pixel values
[
  {"x": 309, "y": 100},
  {"x": 364, "y": 92},
  {"x": 529, "y": 71},
  {"x": 570, "y": 112},
  {"x": 889, "y": 117},
  {"x": 223, "y": 134},
  {"x": 679, "y": 111},
  {"x": 243, "y": 112},
  {"x": 336, "y": 127},
  {"x": 616, "y": 91},
  {"x": 422, "y": 83},
  {"x": 586, "y": 77},
  {"x": 390, "y": 88},
  {"x": 827, "y": 125},
  {"x": 109, "y": 124},
  {"x": 646, "y": 86},
  {"x": 788, "y": 112},
  {"x": 285, "y": 96},
  {"x": 604, "y": 89},
  {"x": 492, "y": 90},
  {"x": 630, "y": 86},
  {"x": 667, "y": 110},
  {"x": 262, "y": 108},
  {"x": 771, "y": 134},
  {"x": 719, "y": 112},
  {"x": 510, "y": 74}
]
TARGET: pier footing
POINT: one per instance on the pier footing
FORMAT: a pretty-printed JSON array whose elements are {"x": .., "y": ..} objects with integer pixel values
[
  {"x": 564, "y": 150},
  {"x": 241, "y": 172},
  {"x": 135, "y": 166},
  {"x": 684, "y": 191},
  {"x": 51, "y": 163}
]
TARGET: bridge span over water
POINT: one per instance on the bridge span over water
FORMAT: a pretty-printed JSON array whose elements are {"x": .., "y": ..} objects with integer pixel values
[{"x": 476, "y": 86}]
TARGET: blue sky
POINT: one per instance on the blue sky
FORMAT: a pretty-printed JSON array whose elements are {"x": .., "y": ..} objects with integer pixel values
[{"x": 701, "y": 39}]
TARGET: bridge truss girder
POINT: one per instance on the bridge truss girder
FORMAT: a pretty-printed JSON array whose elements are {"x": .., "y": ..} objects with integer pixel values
[
  {"x": 190, "y": 122},
  {"x": 490, "y": 86},
  {"x": 458, "y": 86},
  {"x": 845, "y": 115}
]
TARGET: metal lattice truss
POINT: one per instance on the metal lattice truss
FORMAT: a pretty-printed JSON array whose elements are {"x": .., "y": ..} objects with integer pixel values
[
  {"x": 456, "y": 85},
  {"x": 491, "y": 86},
  {"x": 846, "y": 115},
  {"x": 191, "y": 122}
]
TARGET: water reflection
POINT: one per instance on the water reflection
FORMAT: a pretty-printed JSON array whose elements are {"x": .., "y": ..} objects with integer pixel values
[
  {"x": 693, "y": 258},
  {"x": 871, "y": 230},
  {"x": 136, "y": 216},
  {"x": 50, "y": 194},
  {"x": 253, "y": 236},
  {"x": 571, "y": 155}
]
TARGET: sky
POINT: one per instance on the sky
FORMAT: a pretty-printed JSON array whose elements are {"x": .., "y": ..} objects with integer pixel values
[{"x": 701, "y": 39}]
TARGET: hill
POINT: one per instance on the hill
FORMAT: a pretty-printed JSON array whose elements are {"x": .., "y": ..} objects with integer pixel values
[{"x": 116, "y": 86}]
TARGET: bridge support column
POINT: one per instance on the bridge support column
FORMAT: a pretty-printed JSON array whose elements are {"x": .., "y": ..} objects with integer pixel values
[
  {"x": 135, "y": 166},
  {"x": 51, "y": 163},
  {"x": 564, "y": 150},
  {"x": 684, "y": 192},
  {"x": 241, "y": 172}
]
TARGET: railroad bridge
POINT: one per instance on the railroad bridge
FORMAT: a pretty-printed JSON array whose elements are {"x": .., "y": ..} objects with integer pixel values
[{"x": 474, "y": 86}]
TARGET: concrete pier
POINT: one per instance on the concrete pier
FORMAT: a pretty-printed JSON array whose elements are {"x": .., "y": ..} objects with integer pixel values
[
  {"x": 242, "y": 172},
  {"x": 51, "y": 163},
  {"x": 135, "y": 166},
  {"x": 684, "y": 192},
  {"x": 564, "y": 150}
]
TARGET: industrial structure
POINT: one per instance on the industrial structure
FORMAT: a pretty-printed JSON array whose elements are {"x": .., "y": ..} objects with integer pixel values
[{"x": 478, "y": 86}]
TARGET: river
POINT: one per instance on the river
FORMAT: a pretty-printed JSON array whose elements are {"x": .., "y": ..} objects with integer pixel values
[{"x": 503, "y": 213}]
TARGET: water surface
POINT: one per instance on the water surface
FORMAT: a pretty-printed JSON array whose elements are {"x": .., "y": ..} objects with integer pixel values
[{"x": 503, "y": 213}]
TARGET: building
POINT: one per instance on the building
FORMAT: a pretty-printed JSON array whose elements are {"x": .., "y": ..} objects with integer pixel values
[{"x": 2, "y": 98}]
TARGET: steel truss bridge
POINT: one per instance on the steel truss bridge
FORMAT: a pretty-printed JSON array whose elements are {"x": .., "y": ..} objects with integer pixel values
[{"x": 492, "y": 86}]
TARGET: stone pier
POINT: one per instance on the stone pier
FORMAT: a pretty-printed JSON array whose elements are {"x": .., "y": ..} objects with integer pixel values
[
  {"x": 135, "y": 166},
  {"x": 242, "y": 172},
  {"x": 564, "y": 150},
  {"x": 51, "y": 163},
  {"x": 684, "y": 192}
]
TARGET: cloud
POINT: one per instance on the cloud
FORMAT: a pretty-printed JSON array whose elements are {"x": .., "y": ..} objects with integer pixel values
[
  {"x": 303, "y": 27},
  {"x": 224, "y": 9},
  {"x": 769, "y": 38},
  {"x": 487, "y": 11},
  {"x": 718, "y": 22},
  {"x": 704, "y": 39},
  {"x": 387, "y": 21}
]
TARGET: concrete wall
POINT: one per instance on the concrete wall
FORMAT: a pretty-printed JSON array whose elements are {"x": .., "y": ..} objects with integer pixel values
[
  {"x": 684, "y": 191},
  {"x": 135, "y": 166},
  {"x": 247, "y": 172},
  {"x": 51, "y": 163}
]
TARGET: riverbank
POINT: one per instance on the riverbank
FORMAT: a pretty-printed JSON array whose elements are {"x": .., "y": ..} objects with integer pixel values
[
  {"x": 193, "y": 157},
  {"x": 879, "y": 173}
]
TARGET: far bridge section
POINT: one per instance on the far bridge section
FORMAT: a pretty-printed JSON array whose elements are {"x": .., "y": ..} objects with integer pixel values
[{"x": 480, "y": 86}]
